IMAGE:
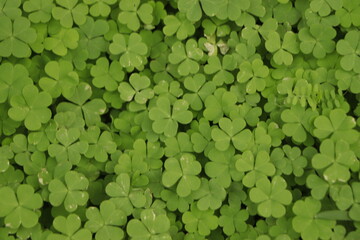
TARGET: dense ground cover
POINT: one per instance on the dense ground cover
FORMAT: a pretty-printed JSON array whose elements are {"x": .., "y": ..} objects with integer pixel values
[{"x": 179, "y": 119}]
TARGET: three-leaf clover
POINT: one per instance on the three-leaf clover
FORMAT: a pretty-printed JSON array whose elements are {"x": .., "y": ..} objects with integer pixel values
[
  {"x": 221, "y": 70},
  {"x": 106, "y": 221},
  {"x": 131, "y": 48},
  {"x": 40, "y": 10},
  {"x": 138, "y": 89},
  {"x": 253, "y": 74},
  {"x": 210, "y": 195},
  {"x": 255, "y": 167},
  {"x": 186, "y": 57},
  {"x": 336, "y": 158},
  {"x": 166, "y": 118},
  {"x": 100, "y": 7},
  {"x": 349, "y": 14},
  {"x": 69, "y": 12},
  {"x": 349, "y": 48},
  {"x": 271, "y": 196},
  {"x": 132, "y": 12},
  {"x": 306, "y": 223},
  {"x": 182, "y": 172},
  {"x": 15, "y": 37},
  {"x": 178, "y": 24},
  {"x": 69, "y": 228},
  {"x": 71, "y": 192},
  {"x": 282, "y": 50},
  {"x": 232, "y": 131},
  {"x": 20, "y": 207},
  {"x": 153, "y": 224},
  {"x": 61, "y": 39},
  {"x": 233, "y": 219},
  {"x": 107, "y": 75},
  {"x": 31, "y": 107}
]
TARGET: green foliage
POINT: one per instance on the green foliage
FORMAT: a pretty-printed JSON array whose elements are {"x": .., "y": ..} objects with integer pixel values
[{"x": 179, "y": 119}]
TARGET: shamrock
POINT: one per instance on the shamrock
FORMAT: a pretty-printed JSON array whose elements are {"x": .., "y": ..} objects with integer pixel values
[
  {"x": 254, "y": 75},
  {"x": 255, "y": 168},
  {"x": 106, "y": 222},
  {"x": 62, "y": 79},
  {"x": 297, "y": 122},
  {"x": 349, "y": 49},
  {"x": 355, "y": 209},
  {"x": 132, "y": 11},
  {"x": 40, "y": 10},
  {"x": 31, "y": 107},
  {"x": 175, "y": 146},
  {"x": 336, "y": 158},
  {"x": 70, "y": 12},
  {"x": 92, "y": 37},
  {"x": 154, "y": 224},
  {"x": 222, "y": 166},
  {"x": 182, "y": 172},
  {"x": 220, "y": 103},
  {"x": 228, "y": 9},
  {"x": 5, "y": 154},
  {"x": 186, "y": 57},
  {"x": 151, "y": 152},
  {"x": 222, "y": 70},
  {"x": 174, "y": 201},
  {"x": 200, "y": 90},
  {"x": 336, "y": 126},
  {"x": 231, "y": 130},
  {"x": 202, "y": 137},
  {"x": 13, "y": 78},
  {"x": 178, "y": 24},
  {"x": 69, "y": 227},
  {"x": 107, "y": 75},
  {"x": 306, "y": 222},
  {"x": 317, "y": 40},
  {"x": 319, "y": 187},
  {"x": 100, "y": 7},
  {"x": 139, "y": 89},
  {"x": 199, "y": 221},
  {"x": 165, "y": 119},
  {"x": 282, "y": 50},
  {"x": 210, "y": 195},
  {"x": 324, "y": 7},
  {"x": 90, "y": 111},
  {"x": 10, "y": 8},
  {"x": 61, "y": 40},
  {"x": 20, "y": 207},
  {"x": 289, "y": 160},
  {"x": 71, "y": 192},
  {"x": 68, "y": 148},
  {"x": 124, "y": 195},
  {"x": 349, "y": 14},
  {"x": 132, "y": 49},
  {"x": 232, "y": 219},
  {"x": 191, "y": 8},
  {"x": 348, "y": 81},
  {"x": 15, "y": 37},
  {"x": 271, "y": 196}
]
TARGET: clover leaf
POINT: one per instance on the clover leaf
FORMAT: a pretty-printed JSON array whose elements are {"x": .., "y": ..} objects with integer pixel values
[
  {"x": 324, "y": 7},
  {"x": 20, "y": 208},
  {"x": 354, "y": 210},
  {"x": 69, "y": 228},
  {"x": 210, "y": 195},
  {"x": 336, "y": 159},
  {"x": 289, "y": 160},
  {"x": 69, "y": 12},
  {"x": 100, "y": 7},
  {"x": 348, "y": 81},
  {"x": 31, "y": 107},
  {"x": 40, "y": 10},
  {"x": 166, "y": 119},
  {"x": 254, "y": 75},
  {"x": 182, "y": 172},
  {"x": 231, "y": 131},
  {"x": 232, "y": 219},
  {"x": 107, "y": 75},
  {"x": 271, "y": 196},
  {"x": 348, "y": 14},
  {"x": 61, "y": 40},
  {"x": 10, "y": 8},
  {"x": 132, "y": 12},
  {"x": 282, "y": 50},
  {"x": 306, "y": 223},
  {"x": 15, "y": 37},
  {"x": 71, "y": 192},
  {"x": 317, "y": 40},
  {"x": 255, "y": 167},
  {"x": 154, "y": 224},
  {"x": 186, "y": 57},
  {"x": 349, "y": 49},
  {"x": 191, "y": 8},
  {"x": 138, "y": 89},
  {"x": 106, "y": 221},
  {"x": 13, "y": 78},
  {"x": 336, "y": 126},
  {"x": 178, "y": 24},
  {"x": 199, "y": 221},
  {"x": 131, "y": 48}
]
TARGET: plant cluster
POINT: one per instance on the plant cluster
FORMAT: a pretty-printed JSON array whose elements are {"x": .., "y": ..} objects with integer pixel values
[{"x": 179, "y": 119}]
